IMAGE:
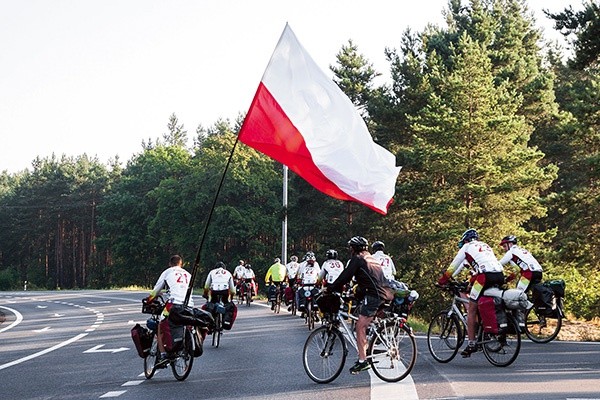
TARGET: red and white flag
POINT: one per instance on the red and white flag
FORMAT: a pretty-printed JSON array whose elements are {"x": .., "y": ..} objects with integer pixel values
[{"x": 302, "y": 119}]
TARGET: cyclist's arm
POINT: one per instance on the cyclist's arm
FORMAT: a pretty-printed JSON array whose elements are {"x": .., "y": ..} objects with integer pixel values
[{"x": 160, "y": 284}]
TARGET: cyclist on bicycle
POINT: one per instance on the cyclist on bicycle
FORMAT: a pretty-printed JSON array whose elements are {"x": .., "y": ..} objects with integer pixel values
[
  {"x": 219, "y": 283},
  {"x": 331, "y": 268},
  {"x": 275, "y": 276},
  {"x": 374, "y": 291},
  {"x": 530, "y": 268},
  {"x": 248, "y": 276},
  {"x": 291, "y": 275},
  {"x": 176, "y": 280},
  {"x": 309, "y": 275},
  {"x": 387, "y": 265},
  {"x": 487, "y": 270},
  {"x": 237, "y": 276}
]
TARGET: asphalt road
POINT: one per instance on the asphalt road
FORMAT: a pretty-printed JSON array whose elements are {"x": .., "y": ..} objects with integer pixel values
[{"x": 77, "y": 345}]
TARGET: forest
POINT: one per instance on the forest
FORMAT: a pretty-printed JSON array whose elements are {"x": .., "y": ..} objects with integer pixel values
[{"x": 495, "y": 129}]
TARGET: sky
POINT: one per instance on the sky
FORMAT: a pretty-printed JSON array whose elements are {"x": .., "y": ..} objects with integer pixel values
[{"x": 99, "y": 77}]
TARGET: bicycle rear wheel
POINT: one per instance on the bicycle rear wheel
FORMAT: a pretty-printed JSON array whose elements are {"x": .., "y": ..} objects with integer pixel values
[
  {"x": 150, "y": 359},
  {"x": 541, "y": 329},
  {"x": 444, "y": 337},
  {"x": 216, "y": 339},
  {"x": 181, "y": 366},
  {"x": 502, "y": 349},
  {"x": 324, "y": 354},
  {"x": 392, "y": 352},
  {"x": 248, "y": 298}
]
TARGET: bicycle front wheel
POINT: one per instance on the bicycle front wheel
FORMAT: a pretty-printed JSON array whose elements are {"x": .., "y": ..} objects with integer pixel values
[
  {"x": 502, "y": 349},
  {"x": 150, "y": 359},
  {"x": 541, "y": 329},
  {"x": 310, "y": 316},
  {"x": 444, "y": 337},
  {"x": 392, "y": 352},
  {"x": 182, "y": 364},
  {"x": 324, "y": 354}
]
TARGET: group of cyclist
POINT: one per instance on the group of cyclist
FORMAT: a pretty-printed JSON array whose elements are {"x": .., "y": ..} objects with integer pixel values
[{"x": 487, "y": 271}]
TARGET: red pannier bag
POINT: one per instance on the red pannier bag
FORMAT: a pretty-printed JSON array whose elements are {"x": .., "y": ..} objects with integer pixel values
[
  {"x": 289, "y": 295},
  {"x": 493, "y": 316},
  {"x": 142, "y": 339},
  {"x": 172, "y": 335}
]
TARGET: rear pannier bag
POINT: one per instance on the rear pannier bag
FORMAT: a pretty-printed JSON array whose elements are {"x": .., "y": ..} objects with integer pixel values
[
  {"x": 172, "y": 335},
  {"x": 543, "y": 299},
  {"x": 557, "y": 286},
  {"x": 142, "y": 339},
  {"x": 230, "y": 315},
  {"x": 493, "y": 316}
]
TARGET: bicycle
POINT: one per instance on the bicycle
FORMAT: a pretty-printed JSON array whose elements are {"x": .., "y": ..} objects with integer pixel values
[
  {"x": 543, "y": 326},
  {"x": 217, "y": 309},
  {"x": 247, "y": 290},
  {"x": 276, "y": 301},
  {"x": 310, "y": 312},
  {"x": 182, "y": 359},
  {"x": 391, "y": 351},
  {"x": 447, "y": 331}
]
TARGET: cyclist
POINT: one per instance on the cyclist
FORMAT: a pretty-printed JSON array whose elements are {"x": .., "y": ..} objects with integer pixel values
[
  {"x": 530, "y": 268},
  {"x": 275, "y": 276},
  {"x": 238, "y": 276},
  {"x": 291, "y": 274},
  {"x": 389, "y": 269},
  {"x": 309, "y": 275},
  {"x": 487, "y": 270},
  {"x": 331, "y": 268},
  {"x": 374, "y": 291},
  {"x": 176, "y": 280},
  {"x": 248, "y": 276},
  {"x": 219, "y": 283}
]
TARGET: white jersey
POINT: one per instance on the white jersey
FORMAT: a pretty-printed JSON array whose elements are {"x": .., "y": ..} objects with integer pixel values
[
  {"x": 310, "y": 273},
  {"x": 248, "y": 273},
  {"x": 331, "y": 270},
  {"x": 292, "y": 270},
  {"x": 303, "y": 265},
  {"x": 238, "y": 271},
  {"x": 176, "y": 281},
  {"x": 219, "y": 279},
  {"x": 387, "y": 265},
  {"x": 479, "y": 256},
  {"x": 521, "y": 258}
]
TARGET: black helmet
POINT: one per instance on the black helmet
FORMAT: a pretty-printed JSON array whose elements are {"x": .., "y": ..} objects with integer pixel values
[
  {"x": 220, "y": 264},
  {"x": 378, "y": 245},
  {"x": 331, "y": 254},
  {"x": 358, "y": 243},
  {"x": 309, "y": 255},
  {"x": 248, "y": 266},
  {"x": 508, "y": 239}
]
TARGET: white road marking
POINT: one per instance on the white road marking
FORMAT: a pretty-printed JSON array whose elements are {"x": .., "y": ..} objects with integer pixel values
[
  {"x": 45, "y": 351},
  {"x": 115, "y": 393},
  {"x": 18, "y": 319},
  {"x": 42, "y": 330},
  {"x": 132, "y": 383},
  {"x": 405, "y": 389},
  {"x": 98, "y": 349}
]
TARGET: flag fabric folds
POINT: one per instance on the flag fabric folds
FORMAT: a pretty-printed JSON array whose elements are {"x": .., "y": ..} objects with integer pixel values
[{"x": 302, "y": 119}]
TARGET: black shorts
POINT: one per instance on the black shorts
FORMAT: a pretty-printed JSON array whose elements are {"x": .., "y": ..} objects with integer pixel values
[{"x": 369, "y": 305}]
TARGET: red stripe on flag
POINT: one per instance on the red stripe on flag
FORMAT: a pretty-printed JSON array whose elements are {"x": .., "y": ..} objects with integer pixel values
[{"x": 268, "y": 129}]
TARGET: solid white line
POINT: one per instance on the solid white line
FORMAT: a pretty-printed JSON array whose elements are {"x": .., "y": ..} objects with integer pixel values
[
  {"x": 45, "y": 351},
  {"x": 18, "y": 319}
]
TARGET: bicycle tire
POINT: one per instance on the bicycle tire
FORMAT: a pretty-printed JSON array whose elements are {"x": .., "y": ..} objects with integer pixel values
[
  {"x": 181, "y": 366},
  {"x": 324, "y": 354},
  {"x": 310, "y": 316},
  {"x": 541, "y": 329},
  {"x": 219, "y": 331},
  {"x": 502, "y": 350},
  {"x": 248, "y": 298},
  {"x": 151, "y": 358},
  {"x": 294, "y": 306},
  {"x": 392, "y": 352},
  {"x": 445, "y": 335}
]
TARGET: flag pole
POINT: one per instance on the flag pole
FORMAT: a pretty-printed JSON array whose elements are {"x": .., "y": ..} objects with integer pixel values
[
  {"x": 212, "y": 208},
  {"x": 284, "y": 223}
]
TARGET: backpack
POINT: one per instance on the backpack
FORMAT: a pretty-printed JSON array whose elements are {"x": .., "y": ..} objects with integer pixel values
[
  {"x": 142, "y": 339},
  {"x": 543, "y": 300},
  {"x": 492, "y": 313}
]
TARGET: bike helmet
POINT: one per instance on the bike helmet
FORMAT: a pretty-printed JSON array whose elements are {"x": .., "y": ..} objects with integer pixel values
[
  {"x": 294, "y": 258},
  {"x": 331, "y": 254},
  {"x": 248, "y": 266},
  {"x": 277, "y": 260},
  {"x": 309, "y": 256},
  {"x": 469, "y": 235},
  {"x": 220, "y": 264},
  {"x": 378, "y": 245},
  {"x": 358, "y": 243},
  {"x": 508, "y": 239}
]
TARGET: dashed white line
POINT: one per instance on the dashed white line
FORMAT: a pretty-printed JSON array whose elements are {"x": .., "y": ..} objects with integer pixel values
[{"x": 115, "y": 393}]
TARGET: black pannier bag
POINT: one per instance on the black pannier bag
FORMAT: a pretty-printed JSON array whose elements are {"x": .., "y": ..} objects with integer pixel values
[
  {"x": 186, "y": 315},
  {"x": 142, "y": 339},
  {"x": 172, "y": 335},
  {"x": 230, "y": 315},
  {"x": 543, "y": 299},
  {"x": 557, "y": 286}
]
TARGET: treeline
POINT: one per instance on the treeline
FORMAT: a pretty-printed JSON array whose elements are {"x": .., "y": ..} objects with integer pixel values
[{"x": 493, "y": 130}]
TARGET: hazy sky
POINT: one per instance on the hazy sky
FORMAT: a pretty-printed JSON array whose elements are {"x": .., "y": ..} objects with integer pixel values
[{"x": 100, "y": 76}]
